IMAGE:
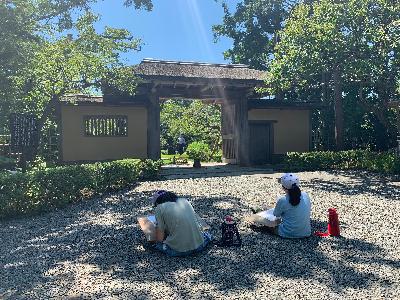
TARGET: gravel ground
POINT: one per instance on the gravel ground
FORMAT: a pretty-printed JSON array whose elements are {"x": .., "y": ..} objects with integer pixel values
[{"x": 93, "y": 249}]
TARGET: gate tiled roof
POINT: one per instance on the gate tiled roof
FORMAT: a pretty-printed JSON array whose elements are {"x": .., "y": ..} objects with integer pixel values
[{"x": 181, "y": 69}]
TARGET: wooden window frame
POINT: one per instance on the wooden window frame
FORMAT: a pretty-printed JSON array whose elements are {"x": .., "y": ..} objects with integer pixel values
[{"x": 86, "y": 133}]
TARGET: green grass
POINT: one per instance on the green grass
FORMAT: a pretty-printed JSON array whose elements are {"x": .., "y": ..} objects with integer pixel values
[{"x": 167, "y": 158}]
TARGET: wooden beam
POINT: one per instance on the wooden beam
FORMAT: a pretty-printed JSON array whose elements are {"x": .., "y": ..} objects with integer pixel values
[
  {"x": 60, "y": 130},
  {"x": 229, "y": 142},
  {"x": 154, "y": 88},
  {"x": 196, "y": 92},
  {"x": 272, "y": 104},
  {"x": 205, "y": 88},
  {"x": 153, "y": 127},
  {"x": 242, "y": 131},
  {"x": 170, "y": 80}
]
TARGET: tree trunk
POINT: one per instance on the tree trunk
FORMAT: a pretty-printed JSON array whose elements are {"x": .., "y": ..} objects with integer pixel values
[
  {"x": 339, "y": 118},
  {"x": 327, "y": 120},
  {"x": 398, "y": 130},
  {"x": 380, "y": 111}
]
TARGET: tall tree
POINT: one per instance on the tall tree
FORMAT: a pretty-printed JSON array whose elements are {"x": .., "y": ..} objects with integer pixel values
[
  {"x": 253, "y": 26},
  {"x": 341, "y": 43},
  {"x": 26, "y": 26},
  {"x": 76, "y": 65}
]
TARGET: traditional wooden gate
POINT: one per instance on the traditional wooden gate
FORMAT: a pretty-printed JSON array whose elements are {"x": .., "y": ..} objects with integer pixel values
[{"x": 227, "y": 133}]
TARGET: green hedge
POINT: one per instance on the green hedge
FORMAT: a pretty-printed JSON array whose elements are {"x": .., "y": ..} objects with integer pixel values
[
  {"x": 386, "y": 163},
  {"x": 31, "y": 192}
]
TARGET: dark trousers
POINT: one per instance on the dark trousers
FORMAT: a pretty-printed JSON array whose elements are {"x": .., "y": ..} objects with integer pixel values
[{"x": 181, "y": 148}]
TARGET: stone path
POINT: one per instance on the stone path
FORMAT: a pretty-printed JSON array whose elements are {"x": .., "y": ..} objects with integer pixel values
[{"x": 93, "y": 250}]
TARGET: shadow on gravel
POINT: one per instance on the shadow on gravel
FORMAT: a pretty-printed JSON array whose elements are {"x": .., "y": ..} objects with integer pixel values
[
  {"x": 360, "y": 184},
  {"x": 88, "y": 243}
]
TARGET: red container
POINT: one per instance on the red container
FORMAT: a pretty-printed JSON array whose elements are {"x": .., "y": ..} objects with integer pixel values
[{"x": 333, "y": 223}]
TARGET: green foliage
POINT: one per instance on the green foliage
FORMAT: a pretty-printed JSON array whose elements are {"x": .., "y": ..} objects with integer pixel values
[
  {"x": 253, "y": 26},
  {"x": 148, "y": 169},
  {"x": 168, "y": 159},
  {"x": 386, "y": 163},
  {"x": 198, "y": 150},
  {"x": 41, "y": 60},
  {"x": 77, "y": 65},
  {"x": 196, "y": 120},
  {"x": 6, "y": 162},
  {"x": 45, "y": 189},
  {"x": 139, "y": 4},
  {"x": 363, "y": 129},
  {"x": 18, "y": 40},
  {"x": 359, "y": 42},
  {"x": 216, "y": 157}
]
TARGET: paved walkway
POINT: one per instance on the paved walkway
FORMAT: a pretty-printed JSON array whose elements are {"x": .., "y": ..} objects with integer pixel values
[{"x": 210, "y": 170}]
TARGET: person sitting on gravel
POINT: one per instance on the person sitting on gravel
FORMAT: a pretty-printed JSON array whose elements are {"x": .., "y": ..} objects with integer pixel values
[
  {"x": 291, "y": 216},
  {"x": 178, "y": 229}
]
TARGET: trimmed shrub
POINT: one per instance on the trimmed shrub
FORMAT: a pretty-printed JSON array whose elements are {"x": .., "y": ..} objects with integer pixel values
[
  {"x": 42, "y": 190},
  {"x": 198, "y": 150},
  {"x": 386, "y": 163}
]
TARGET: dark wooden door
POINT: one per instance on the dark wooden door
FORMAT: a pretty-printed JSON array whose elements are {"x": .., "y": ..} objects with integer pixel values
[{"x": 260, "y": 143}]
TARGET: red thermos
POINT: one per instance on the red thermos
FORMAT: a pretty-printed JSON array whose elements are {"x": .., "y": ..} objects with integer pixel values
[{"x": 333, "y": 224}]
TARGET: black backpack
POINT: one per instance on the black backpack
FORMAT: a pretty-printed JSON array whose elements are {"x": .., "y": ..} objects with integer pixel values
[{"x": 230, "y": 233}]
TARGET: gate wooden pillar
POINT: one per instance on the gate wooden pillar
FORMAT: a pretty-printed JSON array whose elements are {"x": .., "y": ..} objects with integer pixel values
[
  {"x": 227, "y": 132},
  {"x": 242, "y": 131},
  {"x": 153, "y": 127}
]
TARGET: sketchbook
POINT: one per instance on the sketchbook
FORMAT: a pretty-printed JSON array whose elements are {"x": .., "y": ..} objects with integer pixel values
[
  {"x": 152, "y": 219},
  {"x": 268, "y": 214},
  {"x": 148, "y": 226}
]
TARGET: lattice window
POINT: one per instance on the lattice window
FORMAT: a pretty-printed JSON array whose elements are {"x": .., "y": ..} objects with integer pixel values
[
  {"x": 103, "y": 126},
  {"x": 24, "y": 131}
]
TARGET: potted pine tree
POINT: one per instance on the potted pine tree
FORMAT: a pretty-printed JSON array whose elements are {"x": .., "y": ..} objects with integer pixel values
[{"x": 198, "y": 151}]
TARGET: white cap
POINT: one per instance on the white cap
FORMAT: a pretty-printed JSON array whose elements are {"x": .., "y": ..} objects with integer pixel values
[{"x": 287, "y": 180}]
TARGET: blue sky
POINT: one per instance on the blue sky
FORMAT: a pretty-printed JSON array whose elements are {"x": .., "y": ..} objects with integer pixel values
[{"x": 174, "y": 30}]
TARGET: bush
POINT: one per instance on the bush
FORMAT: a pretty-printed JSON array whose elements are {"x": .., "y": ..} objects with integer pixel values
[
  {"x": 6, "y": 163},
  {"x": 40, "y": 190},
  {"x": 217, "y": 156},
  {"x": 386, "y": 163},
  {"x": 198, "y": 150}
]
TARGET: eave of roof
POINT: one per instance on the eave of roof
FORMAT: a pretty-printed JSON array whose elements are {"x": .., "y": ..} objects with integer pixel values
[
  {"x": 196, "y": 71},
  {"x": 271, "y": 104},
  {"x": 81, "y": 98}
]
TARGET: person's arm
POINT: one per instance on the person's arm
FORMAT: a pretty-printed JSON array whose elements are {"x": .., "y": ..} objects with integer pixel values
[
  {"x": 160, "y": 235},
  {"x": 278, "y": 209},
  {"x": 160, "y": 227}
]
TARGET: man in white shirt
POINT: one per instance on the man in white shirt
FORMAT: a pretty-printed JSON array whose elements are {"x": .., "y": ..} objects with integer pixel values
[{"x": 181, "y": 144}]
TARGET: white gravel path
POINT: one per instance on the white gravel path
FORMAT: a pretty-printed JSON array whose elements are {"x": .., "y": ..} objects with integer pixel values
[{"x": 93, "y": 250}]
